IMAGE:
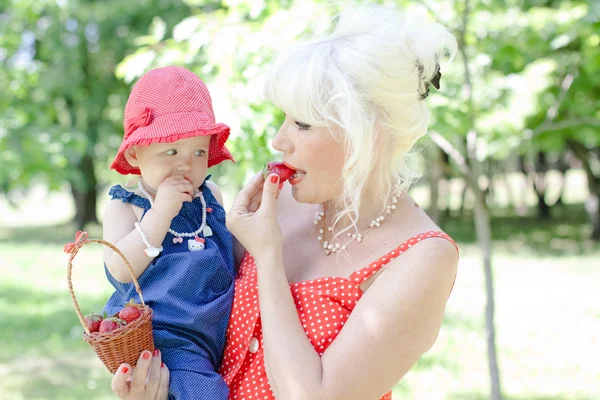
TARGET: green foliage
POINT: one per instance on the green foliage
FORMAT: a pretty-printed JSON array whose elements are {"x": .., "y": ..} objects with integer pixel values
[
  {"x": 61, "y": 99},
  {"x": 67, "y": 67},
  {"x": 519, "y": 55}
]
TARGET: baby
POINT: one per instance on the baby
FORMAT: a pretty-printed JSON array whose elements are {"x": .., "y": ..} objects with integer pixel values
[{"x": 171, "y": 228}]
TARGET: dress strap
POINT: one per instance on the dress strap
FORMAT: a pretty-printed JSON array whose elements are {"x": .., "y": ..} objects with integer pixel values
[
  {"x": 118, "y": 192},
  {"x": 209, "y": 197},
  {"x": 365, "y": 273}
]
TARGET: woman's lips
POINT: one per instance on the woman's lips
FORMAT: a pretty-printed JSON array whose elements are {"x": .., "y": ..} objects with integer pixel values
[{"x": 297, "y": 177}]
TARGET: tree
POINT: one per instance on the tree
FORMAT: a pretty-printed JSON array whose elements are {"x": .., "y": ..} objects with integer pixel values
[
  {"x": 509, "y": 69},
  {"x": 63, "y": 102}
]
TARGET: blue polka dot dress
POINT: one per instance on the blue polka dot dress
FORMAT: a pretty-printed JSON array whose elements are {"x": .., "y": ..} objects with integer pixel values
[{"x": 191, "y": 294}]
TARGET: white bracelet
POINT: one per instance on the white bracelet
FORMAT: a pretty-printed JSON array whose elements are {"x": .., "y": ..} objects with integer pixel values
[{"x": 150, "y": 250}]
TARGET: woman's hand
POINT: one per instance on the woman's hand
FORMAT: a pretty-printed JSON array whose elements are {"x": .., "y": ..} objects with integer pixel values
[
  {"x": 252, "y": 218},
  {"x": 148, "y": 381}
]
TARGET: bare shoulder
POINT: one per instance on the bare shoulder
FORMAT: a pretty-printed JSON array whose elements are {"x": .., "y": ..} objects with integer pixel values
[
  {"x": 428, "y": 257},
  {"x": 399, "y": 316},
  {"x": 216, "y": 191},
  {"x": 427, "y": 267},
  {"x": 119, "y": 219}
]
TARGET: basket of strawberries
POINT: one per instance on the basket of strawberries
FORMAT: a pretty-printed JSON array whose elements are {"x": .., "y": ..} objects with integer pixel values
[{"x": 119, "y": 338}]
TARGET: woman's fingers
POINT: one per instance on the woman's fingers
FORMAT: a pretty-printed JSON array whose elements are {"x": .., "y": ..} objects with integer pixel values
[
  {"x": 242, "y": 201},
  {"x": 163, "y": 385},
  {"x": 255, "y": 201},
  {"x": 120, "y": 381},
  {"x": 141, "y": 372},
  {"x": 153, "y": 378},
  {"x": 270, "y": 193}
]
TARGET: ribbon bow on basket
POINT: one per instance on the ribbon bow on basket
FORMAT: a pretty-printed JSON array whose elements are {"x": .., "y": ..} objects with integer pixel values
[{"x": 73, "y": 247}]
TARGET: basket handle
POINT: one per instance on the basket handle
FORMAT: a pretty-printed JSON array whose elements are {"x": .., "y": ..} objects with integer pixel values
[{"x": 72, "y": 248}]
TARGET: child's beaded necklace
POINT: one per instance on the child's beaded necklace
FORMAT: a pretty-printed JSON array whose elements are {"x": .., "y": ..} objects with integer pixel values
[{"x": 193, "y": 244}]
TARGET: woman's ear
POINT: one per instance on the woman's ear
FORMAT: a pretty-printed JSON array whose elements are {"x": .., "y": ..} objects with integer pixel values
[{"x": 131, "y": 155}]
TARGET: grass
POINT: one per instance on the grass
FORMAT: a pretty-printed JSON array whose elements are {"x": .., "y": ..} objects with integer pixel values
[{"x": 548, "y": 315}]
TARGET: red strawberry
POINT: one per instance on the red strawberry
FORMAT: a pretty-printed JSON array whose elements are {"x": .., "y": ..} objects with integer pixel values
[
  {"x": 279, "y": 168},
  {"x": 110, "y": 324},
  {"x": 130, "y": 312},
  {"x": 92, "y": 322}
]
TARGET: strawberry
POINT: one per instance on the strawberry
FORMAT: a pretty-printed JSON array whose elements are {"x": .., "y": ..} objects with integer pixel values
[
  {"x": 92, "y": 322},
  {"x": 130, "y": 312},
  {"x": 110, "y": 324},
  {"x": 279, "y": 168}
]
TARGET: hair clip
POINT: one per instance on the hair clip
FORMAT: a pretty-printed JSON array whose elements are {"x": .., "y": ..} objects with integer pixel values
[{"x": 435, "y": 81}]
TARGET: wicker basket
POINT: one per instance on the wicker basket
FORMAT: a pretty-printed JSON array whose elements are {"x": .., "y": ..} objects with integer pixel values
[{"x": 124, "y": 344}]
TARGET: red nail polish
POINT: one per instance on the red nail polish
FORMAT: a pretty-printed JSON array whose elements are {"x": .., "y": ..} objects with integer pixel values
[
  {"x": 208, "y": 209},
  {"x": 162, "y": 364},
  {"x": 124, "y": 370},
  {"x": 274, "y": 178},
  {"x": 146, "y": 355},
  {"x": 155, "y": 352}
]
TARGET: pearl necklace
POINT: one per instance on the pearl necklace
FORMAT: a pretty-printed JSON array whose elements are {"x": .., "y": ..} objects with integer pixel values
[
  {"x": 179, "y": 235},
  {"x": 331, "y": 248}
]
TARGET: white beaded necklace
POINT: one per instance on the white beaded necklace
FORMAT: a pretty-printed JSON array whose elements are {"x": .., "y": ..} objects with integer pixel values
[
  {"x": 179, "y": 235},
  {"x": 330, "y": 247}
]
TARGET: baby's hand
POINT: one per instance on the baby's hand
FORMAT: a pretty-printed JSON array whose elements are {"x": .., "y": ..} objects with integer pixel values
[{"x": 171, "y": 194}]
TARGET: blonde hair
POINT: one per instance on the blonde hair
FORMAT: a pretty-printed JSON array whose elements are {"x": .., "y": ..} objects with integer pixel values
[{"x": 366, "y": 78}]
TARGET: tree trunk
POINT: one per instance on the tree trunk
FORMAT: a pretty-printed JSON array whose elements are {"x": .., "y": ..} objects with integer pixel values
[
  {"x": 561, "y": 190},
  {"x": 463, "y": 198},
  {"x": 592, "y": 203},
  {"x": 447, "y": 177},
  {"x": 543, "y": 207},
  {"x": 85, "y": 193},
  {"x": 563, "y": 167},
  {"x": 482, "y": 215},
  {"x": 434, "y": 184},
  {"x": 592, "y": 206},
  {"x": 541, "y": 168},
  {"x": 483, "y": 231},
  {"x": 484, "y": 238}
]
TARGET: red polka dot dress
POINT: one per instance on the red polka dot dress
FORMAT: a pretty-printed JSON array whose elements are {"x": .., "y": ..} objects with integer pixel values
[{"x": 323, "y": 305}]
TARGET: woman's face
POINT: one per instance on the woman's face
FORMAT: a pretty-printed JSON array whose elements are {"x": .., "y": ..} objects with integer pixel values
[{"x": 317, "y": 154}]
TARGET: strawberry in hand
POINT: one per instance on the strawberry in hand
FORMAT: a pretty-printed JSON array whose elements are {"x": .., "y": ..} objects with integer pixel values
[{"x": 279, "y": 168}]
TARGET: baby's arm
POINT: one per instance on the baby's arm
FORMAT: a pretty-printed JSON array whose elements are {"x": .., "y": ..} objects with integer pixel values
[
  {"x": 119, "y": 230},
  {"x": 238, "y": 249},
  {"x": 119, "y": 227}
]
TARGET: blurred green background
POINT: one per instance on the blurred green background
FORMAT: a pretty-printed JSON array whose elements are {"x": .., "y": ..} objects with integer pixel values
[{"x": 517, "y": 119}]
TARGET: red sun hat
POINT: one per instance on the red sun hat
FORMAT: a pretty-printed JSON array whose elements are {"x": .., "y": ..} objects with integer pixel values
[{"x": 166, "y": 105}]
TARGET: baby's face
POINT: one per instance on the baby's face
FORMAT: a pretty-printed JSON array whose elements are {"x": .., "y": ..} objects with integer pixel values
[{"x": 187, "y": 158}]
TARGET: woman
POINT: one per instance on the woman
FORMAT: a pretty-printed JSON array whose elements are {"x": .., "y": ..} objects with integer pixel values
[{"x": 345, "y": 279}]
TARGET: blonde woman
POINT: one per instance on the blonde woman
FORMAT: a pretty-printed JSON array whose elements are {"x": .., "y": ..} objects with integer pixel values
[{"x": 345, "y": 280}]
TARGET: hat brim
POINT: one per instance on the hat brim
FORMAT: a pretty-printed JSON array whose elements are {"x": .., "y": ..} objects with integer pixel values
[{"x": 169, "y": 128}]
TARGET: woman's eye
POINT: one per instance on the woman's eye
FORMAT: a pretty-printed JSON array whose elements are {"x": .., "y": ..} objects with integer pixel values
[
  {"x": 200, "y": 153},
  {"x": 302, "y": 126},
  {"x": 171, "y": 152}
]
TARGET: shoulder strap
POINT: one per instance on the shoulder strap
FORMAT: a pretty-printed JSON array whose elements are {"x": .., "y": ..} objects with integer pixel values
[
  {"x": 365, "y": 273},
  {"x": 118, "y": 192}
]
